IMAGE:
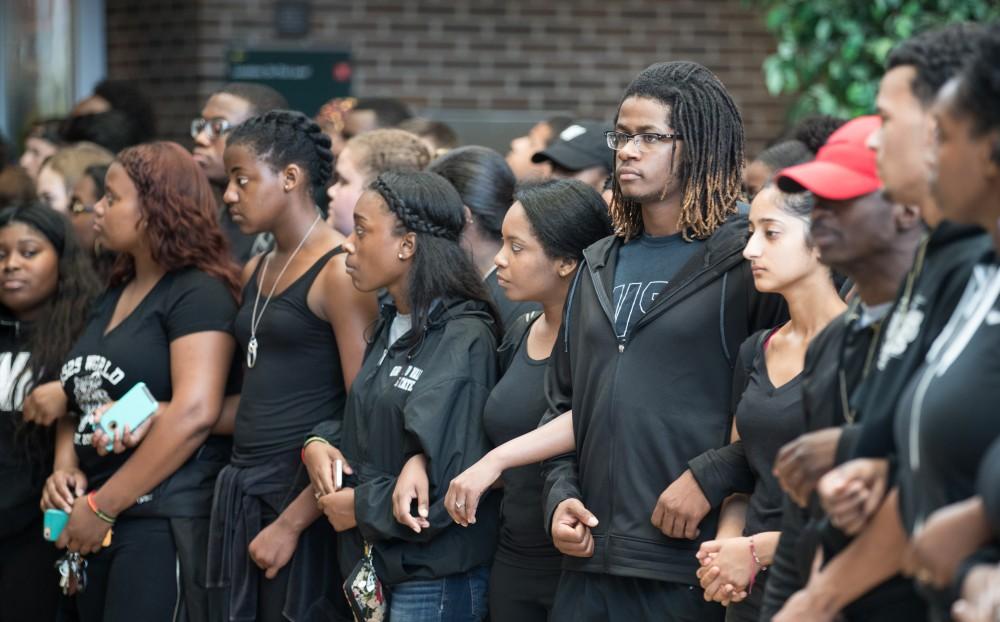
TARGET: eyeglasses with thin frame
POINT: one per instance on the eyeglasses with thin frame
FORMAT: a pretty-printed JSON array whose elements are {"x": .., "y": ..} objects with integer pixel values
[
  {"x": 79, "y": 207},
  {"x": 216, "y": 127},
  {"x": 643, "y": 142}
]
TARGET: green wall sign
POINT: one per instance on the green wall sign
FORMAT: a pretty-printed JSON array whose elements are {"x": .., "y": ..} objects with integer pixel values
[{"x": 307, "y": 78}]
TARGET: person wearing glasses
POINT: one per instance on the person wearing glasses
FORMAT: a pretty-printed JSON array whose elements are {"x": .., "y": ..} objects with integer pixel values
[
  {"x": 645, "y": 356},
  {"x": 60, "y": 172},
  {"x": 86, "y": 193},
  {"x": 226, "y": 108}
]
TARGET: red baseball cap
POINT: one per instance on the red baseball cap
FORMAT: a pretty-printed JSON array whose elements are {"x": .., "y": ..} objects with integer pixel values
[{"x": 844, "y": 167}]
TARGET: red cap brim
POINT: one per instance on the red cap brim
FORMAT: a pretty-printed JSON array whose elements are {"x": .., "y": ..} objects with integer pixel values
[{"x": 827, "y": 180}]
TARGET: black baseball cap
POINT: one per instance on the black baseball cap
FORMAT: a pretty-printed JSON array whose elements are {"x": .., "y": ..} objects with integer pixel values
[{"x": 580, "y": 146}]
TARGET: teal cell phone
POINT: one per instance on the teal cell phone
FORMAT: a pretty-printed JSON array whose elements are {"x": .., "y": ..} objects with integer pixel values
[
  {"x": 137, "y": 405},
  {"x": 53, "y": 523}
]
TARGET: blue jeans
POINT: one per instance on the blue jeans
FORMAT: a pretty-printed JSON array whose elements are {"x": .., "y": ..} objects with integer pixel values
[{"x": 455, "y": 598}]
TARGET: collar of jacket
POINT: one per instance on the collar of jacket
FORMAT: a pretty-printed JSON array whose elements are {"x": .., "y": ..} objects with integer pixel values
[{"x": 441, "y": 312}]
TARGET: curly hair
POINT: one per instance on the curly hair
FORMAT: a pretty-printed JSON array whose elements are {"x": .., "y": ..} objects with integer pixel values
[
  {"x": 283, "y": 137},
  {"x": 711, "y": 163},
  {"x": 380, "y": 151},
  {"x": 937, "y": 56},
  {"x": 978, "y": 94},
  {"x": 813, "y": 131},
  {"x": 179, "y": 211}
]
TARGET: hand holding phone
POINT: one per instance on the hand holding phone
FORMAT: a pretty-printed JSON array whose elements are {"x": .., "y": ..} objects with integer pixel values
[{"x": 131, "y": 411}]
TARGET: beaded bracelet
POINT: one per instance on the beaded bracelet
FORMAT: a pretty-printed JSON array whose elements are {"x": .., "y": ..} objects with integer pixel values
[{"x": 92, "y": 503}]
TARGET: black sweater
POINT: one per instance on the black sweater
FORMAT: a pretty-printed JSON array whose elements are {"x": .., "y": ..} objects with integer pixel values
[{"x": 645, "y": 404}]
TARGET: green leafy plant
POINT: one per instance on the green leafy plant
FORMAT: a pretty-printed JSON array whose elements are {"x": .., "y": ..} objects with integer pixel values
[{"x": 831, "y": 53}]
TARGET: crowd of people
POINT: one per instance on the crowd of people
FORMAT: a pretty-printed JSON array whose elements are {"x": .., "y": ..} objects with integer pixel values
[{"x": 618, "y": 374}]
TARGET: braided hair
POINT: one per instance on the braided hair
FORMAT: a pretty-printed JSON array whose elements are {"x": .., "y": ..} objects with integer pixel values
[
  {"x": 711, "y": 162},
  {"x": 283, "y": 137},
  {"x": 426, "y": 204}
]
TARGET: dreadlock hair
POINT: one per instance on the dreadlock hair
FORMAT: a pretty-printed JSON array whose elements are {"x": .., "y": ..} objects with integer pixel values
[
  {"x": 63, "y": 316},
  {"x": 937, "y": 56},
  {"x": 426, "y": 204},
  {"x": 484, "y": 182},
  {"x": 711, "y": 162},
  {"x": 283, "y": 137},
  {"x": 978, "y": 94}
]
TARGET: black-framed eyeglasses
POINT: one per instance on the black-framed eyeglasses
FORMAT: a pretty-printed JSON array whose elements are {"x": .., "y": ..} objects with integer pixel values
[
  {"x": 79, "y": 207},
  {"x": 643, "y": 142},
  {"x": 216, "y": 127}
]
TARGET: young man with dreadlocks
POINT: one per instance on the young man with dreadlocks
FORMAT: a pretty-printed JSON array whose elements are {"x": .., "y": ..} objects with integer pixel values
[{"x": 653, "y": 323}]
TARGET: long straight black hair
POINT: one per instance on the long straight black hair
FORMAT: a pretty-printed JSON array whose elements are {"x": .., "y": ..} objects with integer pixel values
[{"x": 426, "y": 204}]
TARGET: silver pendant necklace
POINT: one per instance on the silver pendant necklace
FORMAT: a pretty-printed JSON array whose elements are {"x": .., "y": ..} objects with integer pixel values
[{"x": 253, "y": 347}]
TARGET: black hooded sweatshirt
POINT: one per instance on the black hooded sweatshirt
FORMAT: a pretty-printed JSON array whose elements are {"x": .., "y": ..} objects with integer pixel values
[
  {"x": 645, "y": 404},
  {"x": 426, "y": 398}
]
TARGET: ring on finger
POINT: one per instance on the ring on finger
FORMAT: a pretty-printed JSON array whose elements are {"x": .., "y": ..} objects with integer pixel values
[{"x": 459, "y": 505}]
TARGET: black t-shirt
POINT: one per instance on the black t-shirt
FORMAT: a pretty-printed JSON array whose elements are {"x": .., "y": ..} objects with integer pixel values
[
  {"x": 645, "y": 266},
  {"x": 515, "y": 407},
  {"x": 103, "y": 367},
  {"x": 25, "y": 451},
  {"x": 767, "y": 418}
]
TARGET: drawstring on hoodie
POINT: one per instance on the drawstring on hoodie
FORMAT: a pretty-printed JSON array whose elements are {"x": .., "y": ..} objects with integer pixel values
[{"x": 722, "y": 319}]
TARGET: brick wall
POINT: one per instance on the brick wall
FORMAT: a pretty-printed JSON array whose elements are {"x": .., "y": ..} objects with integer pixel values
[{"x": 518, "y": 55}]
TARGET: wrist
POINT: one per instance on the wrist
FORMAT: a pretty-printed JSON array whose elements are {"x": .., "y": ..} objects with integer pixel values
[
  {"x": 108, "y": 502},
  {"x": 95, "y": 506}
]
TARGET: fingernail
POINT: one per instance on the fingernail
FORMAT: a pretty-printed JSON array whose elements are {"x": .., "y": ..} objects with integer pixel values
[{"x": 423, "y": 511}]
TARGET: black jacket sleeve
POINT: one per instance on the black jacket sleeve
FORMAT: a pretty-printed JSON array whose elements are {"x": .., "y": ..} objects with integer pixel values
[
  {"x": 784, "y": 577},
  {"x": 560, "y": 473},
  {"x": 988, "y": 486},
  {"x": 722, "y": 472},
  {"x": 849, "y": 434},
  {"x": 445, "y": 420}
]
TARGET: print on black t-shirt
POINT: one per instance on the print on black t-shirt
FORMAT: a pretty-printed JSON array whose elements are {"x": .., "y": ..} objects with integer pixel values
[
  {"x": 88, "y": 375},
  {"x": 14, "y": 382},
  {"x": 645, "y": 267}
]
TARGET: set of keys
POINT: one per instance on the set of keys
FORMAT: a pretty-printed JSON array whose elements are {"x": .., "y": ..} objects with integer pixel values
[{"x": 72, "y": 569}]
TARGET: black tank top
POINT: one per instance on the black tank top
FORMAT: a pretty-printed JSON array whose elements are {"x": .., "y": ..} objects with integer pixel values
[{"x": 297, "y": 380}]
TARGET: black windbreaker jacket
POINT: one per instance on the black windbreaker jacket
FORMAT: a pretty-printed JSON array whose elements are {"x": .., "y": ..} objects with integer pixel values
[
  {"x": 936, "y": 285},
  {"x": 645, "y": 405},
  {"x": 427, "y": 399}
]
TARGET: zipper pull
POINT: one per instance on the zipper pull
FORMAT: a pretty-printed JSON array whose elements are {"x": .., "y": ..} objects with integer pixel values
[{"x": 621, "y": 347}]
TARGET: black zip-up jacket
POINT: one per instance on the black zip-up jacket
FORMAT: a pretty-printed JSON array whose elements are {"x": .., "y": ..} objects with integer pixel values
[
  {"x": 426, "y": 399},
  {"x": 936, "y": 285},
  {"x": 644, "y": 405}
]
